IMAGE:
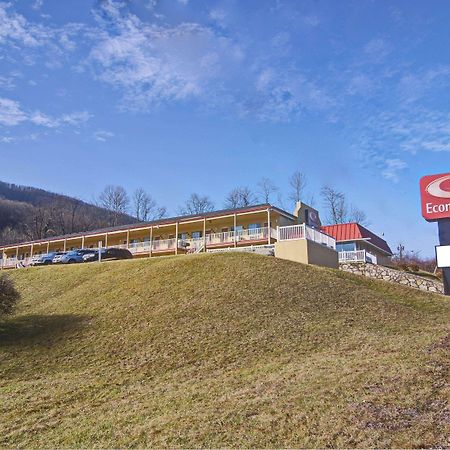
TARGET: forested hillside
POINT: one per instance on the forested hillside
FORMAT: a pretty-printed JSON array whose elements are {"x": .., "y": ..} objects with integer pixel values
[{"x": 28, "y": 213}]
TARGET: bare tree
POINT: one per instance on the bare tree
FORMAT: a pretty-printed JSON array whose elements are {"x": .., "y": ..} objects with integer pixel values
[
  {"x": 357, "y": 215},
  {"x": 335, "y": 205},
  {"x": 240, "y": 197},
  {"x": 265, "y": 189},
  {"x": 297, "y": 184},
  {"x": 338, "y": 210},
  {"x": 114, "y": 199},
  {"x": 197, "y": 204},
  {"x": 145, "y": 207}
]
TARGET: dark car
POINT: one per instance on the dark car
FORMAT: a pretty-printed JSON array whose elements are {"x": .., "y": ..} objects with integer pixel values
[
  {"x": 75, "y": 256},
  {"x": 108, "y": 254},
  {"x": 39, "y": 260}
]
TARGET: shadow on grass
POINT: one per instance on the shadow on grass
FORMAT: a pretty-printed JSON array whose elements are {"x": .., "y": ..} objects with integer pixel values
[{"x": 39, "y": 329}]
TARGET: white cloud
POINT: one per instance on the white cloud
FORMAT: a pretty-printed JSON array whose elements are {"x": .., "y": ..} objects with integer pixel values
[
  {"x": 10, "y": 112},
  {"x": 154, "y": 64},
  {"x": 392, "y": 169},
  {"x": 15, "y": 28},
  {"x": 38, "y": 4},
  {"x": 283, "y": 95},
  {"x": 103, "y": 135}
]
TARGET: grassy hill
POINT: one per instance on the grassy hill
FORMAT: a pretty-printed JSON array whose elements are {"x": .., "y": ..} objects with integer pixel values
[{"x": 221, "y": 350}]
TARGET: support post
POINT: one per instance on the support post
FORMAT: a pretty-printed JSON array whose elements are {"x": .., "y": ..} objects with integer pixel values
[
  {"x": 268, "y": 226},
  {"x": 106, "y": 240},
  {"x": 31, "y": 251},
  {"x": 176, "y": 238},
  {"x": 82, "y": 241},
  {"x": 17, "y": 253},
  {"x": 65, "y": 244},
  {"x": 48, "y": 248},
  {"x": 128, "y": 238},
  {"x": 234, "y": 229},
  {"x": 204, "y": 234},
  {"x": 444, "y": 239},
  {"x": 151, "y": 241}
]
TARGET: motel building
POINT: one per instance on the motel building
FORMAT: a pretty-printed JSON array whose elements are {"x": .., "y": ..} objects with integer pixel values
[{"x": 264, "y": 229}]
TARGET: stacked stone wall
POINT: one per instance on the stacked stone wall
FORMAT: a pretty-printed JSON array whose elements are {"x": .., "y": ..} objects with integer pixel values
[{"x": 393, "y": 276}]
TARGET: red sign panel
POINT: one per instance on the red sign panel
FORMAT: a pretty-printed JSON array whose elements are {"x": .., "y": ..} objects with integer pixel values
[{"x": 435, "y": 193}]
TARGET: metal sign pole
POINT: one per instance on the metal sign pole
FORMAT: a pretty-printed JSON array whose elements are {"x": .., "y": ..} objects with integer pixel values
[{"x": 444, "y": 239}]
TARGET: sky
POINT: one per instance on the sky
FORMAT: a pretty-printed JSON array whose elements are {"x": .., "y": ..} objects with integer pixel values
[{"x": 187, "y": 96}]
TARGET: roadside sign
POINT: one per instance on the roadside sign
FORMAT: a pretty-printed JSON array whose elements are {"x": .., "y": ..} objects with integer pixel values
[
  {"x": 435, "y": 195},
  {"x": 443, "y": 256}
]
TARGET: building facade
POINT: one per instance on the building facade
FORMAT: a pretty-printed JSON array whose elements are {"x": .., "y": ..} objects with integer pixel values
[
  {"x": 298, "y": 237},
  {"x": 358, "y": 244}
]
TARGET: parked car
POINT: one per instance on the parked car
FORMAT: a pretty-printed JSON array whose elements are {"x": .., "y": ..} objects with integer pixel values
[
  {"x": 75, "y": 256},
  {"x": 108, "y": 254},
  {"x": 57, "y": 258},
  {"x": 43, "y": 260}
]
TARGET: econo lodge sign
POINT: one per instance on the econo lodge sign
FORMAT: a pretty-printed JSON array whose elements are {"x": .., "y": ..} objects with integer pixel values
[{"x": 435, "y": 194}]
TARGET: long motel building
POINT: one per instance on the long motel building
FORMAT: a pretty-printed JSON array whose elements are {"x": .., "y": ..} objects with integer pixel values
[{"x": 261, "y": 228}]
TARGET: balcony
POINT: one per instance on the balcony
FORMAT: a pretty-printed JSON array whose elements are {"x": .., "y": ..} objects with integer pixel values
[
  {"x": 303, "y": 231},
  {"x": 361, "y": 256}
]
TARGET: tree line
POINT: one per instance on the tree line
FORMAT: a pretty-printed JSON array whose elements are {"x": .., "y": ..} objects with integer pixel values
[
  {"x": 31, "y": 214},
  {"x": 144, "y": 207}
]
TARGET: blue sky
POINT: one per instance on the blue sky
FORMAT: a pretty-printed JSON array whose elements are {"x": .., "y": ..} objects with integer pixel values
[{"x": 189, "y": 96}]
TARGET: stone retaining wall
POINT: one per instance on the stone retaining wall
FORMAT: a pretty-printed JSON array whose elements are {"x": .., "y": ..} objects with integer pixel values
[{"x": 393, "y": 276}]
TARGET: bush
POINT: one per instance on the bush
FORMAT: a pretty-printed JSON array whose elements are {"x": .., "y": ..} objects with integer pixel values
[{"x": 9, "y": 296}]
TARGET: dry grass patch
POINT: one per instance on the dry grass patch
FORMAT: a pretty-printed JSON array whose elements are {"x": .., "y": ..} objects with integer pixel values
[{"x": 221, "y": 350}]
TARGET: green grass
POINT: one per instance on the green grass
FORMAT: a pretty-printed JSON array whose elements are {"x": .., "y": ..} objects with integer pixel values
[{"x": 228, "y": 350}]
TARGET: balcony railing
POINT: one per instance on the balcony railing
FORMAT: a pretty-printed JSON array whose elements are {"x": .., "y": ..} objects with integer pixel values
[
  {"x": 302, "y": 231},
  {"x": 357, "y": 256}
]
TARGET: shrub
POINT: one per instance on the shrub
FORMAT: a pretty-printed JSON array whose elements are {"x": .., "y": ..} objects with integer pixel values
[{"x": 9, "y": 296}]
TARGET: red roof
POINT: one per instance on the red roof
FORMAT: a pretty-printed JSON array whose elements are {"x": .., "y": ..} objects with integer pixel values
[{"x": 355, "y": 232}]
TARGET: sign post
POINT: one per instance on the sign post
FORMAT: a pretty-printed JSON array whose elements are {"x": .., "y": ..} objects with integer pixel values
[{"x": 435, "y": 194}]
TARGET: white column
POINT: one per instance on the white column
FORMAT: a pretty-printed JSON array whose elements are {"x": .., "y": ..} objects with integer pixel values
[
  {"x": 82, "y": 241},
  {"x": 151, "y": 242},
  {"x": 268, "y": 226},
  {"x": 65, "y": 244},
  {"x": 234, "y": 229},
  {"x": 176, "y": 238},
  {"x": 204, "y": 234}
]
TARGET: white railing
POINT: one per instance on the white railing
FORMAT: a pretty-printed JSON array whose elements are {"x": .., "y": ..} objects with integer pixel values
[
  {"x": 252, "y": 234},
  {"x": 303, "y": 231},
  {"x": 291, "y": 232},
  {"x": 14, "y": 262},
  {"x": 357, "y": 256}
]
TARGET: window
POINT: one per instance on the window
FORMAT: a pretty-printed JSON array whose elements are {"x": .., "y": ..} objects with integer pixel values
[
  {"x": 253, "y": 226},
  {"x": 346, "y": 247},
  {"x": 182, "y": 236},
  {"x": 196, "y": 234}
]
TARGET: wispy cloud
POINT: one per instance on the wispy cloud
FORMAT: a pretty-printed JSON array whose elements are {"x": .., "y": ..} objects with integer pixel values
[
  {"x": 392, "y": 168},
  {"x": 12, "y": 114},
  {"x": 103, "y": 135}
]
